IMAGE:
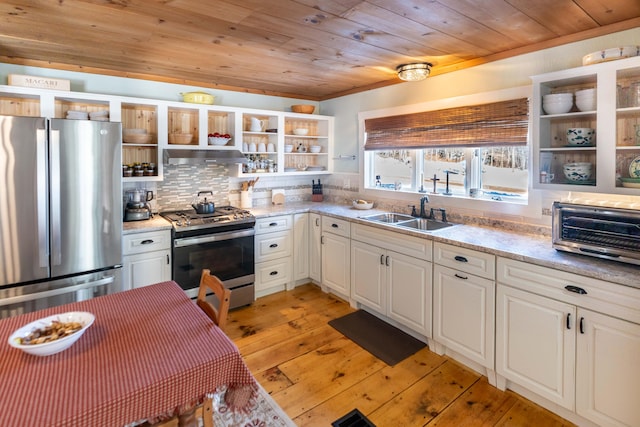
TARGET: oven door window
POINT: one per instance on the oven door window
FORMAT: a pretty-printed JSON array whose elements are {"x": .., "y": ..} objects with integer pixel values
[{"x": 228, "y": 259}]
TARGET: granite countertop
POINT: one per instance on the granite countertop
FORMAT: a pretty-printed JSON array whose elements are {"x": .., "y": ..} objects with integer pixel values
[
  {"x": 156, "y": 223},
  {"x": 529, "y": 248}
]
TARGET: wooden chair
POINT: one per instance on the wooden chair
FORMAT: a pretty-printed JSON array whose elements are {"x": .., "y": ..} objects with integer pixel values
[{"x": 211, "y": 282}]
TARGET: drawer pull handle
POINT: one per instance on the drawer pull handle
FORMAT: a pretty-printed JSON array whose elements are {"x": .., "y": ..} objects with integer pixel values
[
  {"x": 575, "y": 289},
  {"x": 382, "y": 259},
  {"x": 582, "y": 325},
  {"x": 387, "y": 261},
  {"x": 273, "y": 273},
  {"x": 568, "y": 320},
  {"x": 460, "y": 277},
  {"x": 273, "y": 245},
  {"x": 334, "y": 225},
  {"x": 273, "y": 224},
  {"x": 460, "y": 258},
  {"x": 146, "y": 242},
  {"x": 317, "y": 222}
]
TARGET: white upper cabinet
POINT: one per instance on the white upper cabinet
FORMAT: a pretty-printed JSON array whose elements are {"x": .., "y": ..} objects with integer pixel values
[
  {"x": 565, "y": 155},
  {"x": 274, "y": 142}
]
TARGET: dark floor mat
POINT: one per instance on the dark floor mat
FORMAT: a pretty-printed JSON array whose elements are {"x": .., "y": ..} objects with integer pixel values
[
  {"x": 384, "y": 341},
  {"x": 353, "y": 419}
]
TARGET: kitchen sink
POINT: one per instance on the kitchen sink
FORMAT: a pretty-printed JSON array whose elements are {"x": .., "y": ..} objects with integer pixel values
[
  {"x": 424, "y": 224},
  {"x": 389, "y": 217}
]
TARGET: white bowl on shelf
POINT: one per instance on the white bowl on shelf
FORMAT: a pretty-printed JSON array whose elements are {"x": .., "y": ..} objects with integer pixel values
[
  {"x": 577, "y": 172},
  {"x": 581, "y": 136},
  {"x": 288, "y": 148},
  {"x": 315, "y": 148},
  {"x": 586, "y": 99},
  {"x": 557, "y": 103},
  {"x": 215, "y": 140},
  {"x": 301, "y": 131},
  {"x": 55, "y": 346}
]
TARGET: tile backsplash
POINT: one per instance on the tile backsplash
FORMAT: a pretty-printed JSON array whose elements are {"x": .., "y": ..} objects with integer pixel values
[{"x": 182, "y": 183}]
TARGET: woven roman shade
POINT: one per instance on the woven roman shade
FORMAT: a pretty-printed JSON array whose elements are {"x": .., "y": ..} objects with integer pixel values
[{"x": 499, "y": 123}]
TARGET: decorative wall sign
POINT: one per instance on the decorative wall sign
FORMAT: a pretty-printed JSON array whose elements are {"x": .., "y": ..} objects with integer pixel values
[{"x": 38, "y": 82}]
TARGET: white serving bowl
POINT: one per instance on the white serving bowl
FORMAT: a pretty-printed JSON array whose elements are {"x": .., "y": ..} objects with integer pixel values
[
  {"x": 586, "y": 104},
  {"x": 557, "y": 108},
  {"x": 362, "y": 206},
  {"x": 288, "y": 148},
  {"x": 315, "y": 148},
  {"x": 565, "y": 96},
  {"x": 577, "y": 171},
  {"x": 301, "y": 131},
  {"x": 55, "y": 346},
  {"x": 215, "y": 140},
  {"x": 581, "y": 136}
]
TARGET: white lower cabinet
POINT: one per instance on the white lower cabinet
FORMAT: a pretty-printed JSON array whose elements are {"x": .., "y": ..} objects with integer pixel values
[
  {"x": 464, "y": 306},
  {"x": 315, "y": 247},
  {"x": 301, "y": 246},
  {"x": 273, "y": 253},
  {"x": 146, "y": 258},
  {"x": 336, "y": 251},
  {"x": 572, "y": 340},
  {"x": 393, "y": 283}
]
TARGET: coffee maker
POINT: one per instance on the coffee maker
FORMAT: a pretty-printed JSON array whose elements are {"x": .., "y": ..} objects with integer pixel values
[{"x": 137, "y": 205}]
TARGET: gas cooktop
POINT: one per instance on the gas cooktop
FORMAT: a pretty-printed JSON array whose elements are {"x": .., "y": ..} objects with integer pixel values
[{"x": 188, "y": 219}]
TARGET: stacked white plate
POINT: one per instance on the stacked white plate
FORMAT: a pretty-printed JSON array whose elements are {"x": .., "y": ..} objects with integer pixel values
[
  {"x": 77, "y": 115},
  {"x": 586, "y": 99},
  {"x": 557, "y": 103}
]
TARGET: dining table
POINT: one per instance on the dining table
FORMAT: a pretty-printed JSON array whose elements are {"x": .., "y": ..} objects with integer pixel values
[{"x": 151, "y": 354}]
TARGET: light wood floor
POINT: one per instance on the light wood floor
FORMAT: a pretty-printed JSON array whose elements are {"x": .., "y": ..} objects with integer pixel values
[{"x": 317, "y": 375}]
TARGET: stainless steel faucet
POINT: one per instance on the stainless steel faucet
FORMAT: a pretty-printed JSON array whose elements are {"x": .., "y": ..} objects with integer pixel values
[{"x": 423, "y": 200}]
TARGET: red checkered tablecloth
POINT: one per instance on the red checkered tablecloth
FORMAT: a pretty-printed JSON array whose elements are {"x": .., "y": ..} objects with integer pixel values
[{"x": 150, "y": 352}]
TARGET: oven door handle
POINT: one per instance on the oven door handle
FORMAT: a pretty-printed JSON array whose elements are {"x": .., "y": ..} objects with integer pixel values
[{"x": 209, "y": 238}]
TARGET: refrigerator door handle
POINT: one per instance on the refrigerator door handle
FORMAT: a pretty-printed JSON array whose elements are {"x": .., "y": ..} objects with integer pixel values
[
  {"x": 41, "y": 195},
  {"x": 58, "y": 291},
  {"x": 56, "y": 244}
]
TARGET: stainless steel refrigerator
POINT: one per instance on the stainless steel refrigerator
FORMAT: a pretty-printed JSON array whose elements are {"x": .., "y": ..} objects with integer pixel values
[{"x": 60, "y": 212}]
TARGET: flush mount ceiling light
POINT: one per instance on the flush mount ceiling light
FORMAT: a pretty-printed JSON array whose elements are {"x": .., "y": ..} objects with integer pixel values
[{"x": 414, "y": 72}]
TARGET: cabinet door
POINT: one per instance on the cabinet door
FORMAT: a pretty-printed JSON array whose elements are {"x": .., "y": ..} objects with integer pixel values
[
  {"x": 607, "y": 372},
  {"x": 535, "y": 344},
  {"x": 368, "y": 275},
  {"x": 315, "y": 248},
  {"x": 146, "y": 268},
  {"x": 464, "y": 314},
  {"x": 300, "y": 246},
  {"x": 336, "y": 267},
  {"x": 410, "y": 291}
]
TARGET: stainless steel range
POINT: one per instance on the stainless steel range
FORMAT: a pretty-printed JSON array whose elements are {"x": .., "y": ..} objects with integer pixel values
[{"x": 222, "y": 241}]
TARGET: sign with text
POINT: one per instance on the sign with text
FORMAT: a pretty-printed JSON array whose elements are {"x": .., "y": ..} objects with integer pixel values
[{"x": 38, "y": 82}]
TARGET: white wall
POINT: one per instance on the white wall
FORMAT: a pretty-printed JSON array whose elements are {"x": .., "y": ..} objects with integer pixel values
[{"x": 504, "y": 74}]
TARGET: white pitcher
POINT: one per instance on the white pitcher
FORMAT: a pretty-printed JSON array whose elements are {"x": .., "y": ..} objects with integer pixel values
[{"x": 257, "y": 125}]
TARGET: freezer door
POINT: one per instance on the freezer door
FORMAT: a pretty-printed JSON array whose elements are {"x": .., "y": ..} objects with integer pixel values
[
  {"x": 24, "y": 254},
  {"x": 86, "y": 195},
  {"x": 25, "y": 299}
]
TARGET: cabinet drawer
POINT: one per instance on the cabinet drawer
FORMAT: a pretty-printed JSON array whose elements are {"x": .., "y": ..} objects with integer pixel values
[
  {"x": 146, "y": 242},
  {"x": 273, "y": 273},
  {"x": 273, "y": 245},
  {"x": 273, "y": 223},
  {"x": 605, "y": 297},
  {"x": 409, "y": 245},
  {"x": 335, "y": 226},
  {"x": 467, "y": 260}
]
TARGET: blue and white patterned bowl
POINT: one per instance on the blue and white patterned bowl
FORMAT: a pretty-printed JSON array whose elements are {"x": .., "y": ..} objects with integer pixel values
[
  {"x": 581, "y": 136},
  {"x": 577, "y": 171}
]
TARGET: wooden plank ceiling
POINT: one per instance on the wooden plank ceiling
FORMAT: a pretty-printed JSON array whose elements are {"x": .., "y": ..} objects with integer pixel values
[{"x": 310, "y": 49}]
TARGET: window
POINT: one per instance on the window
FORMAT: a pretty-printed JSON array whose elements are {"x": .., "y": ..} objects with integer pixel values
[{"x": 480, "y": 147}]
